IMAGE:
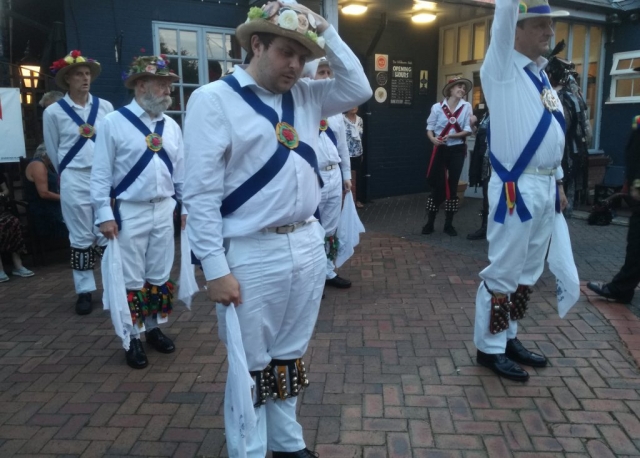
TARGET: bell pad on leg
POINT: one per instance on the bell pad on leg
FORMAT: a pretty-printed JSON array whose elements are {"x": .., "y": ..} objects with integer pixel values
[
  {"x": 431, "y": 205},
  {"x": 500, "y": 309},
  {"x": 83, "y": 259},
  {"x": 520, "y": 302},
  {"x": 289, "y": 378},
  {"x": 452, "y": 205},
  {"x": 262, "y": 391}
]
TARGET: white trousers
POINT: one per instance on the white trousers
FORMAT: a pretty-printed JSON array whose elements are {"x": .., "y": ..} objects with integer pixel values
[
  {"x": 330, "y": 208},
  {"x": 281, "y": 280},
  {"x": 517, "y": 252},
  {"x": 79, "y": 217}
]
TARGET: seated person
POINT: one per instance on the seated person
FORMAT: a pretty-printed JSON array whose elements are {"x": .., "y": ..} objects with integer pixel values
[
  {"x": 11, "y": 240},
  {"x": 42, "y": 192}
]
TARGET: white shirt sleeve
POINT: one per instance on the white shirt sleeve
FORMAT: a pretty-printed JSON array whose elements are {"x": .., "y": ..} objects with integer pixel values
[
  {"x": 51, "y": 136},
  {"x": 102, "y": 173},
  {"x": 343, "y": 151},
  {"x": 498, "y": 62},
  {"x": 433, "y": 118},
  {"x": 206, "y": 139},
  {"x": 350, "y": 86},
  {"x": 466, "y": 118},
  {"x": 178, "y": 171}
]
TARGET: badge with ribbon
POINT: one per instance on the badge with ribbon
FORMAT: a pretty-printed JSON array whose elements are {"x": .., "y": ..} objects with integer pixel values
[
  {"x": 287, "y": 135},
  {"x": 86, "y": 130},
  {"x": 154, "y": 142},
  {"x": 452, "y": 120},
  {"x": 548, "y": 100},
  {"x": 323, "y": 125}
]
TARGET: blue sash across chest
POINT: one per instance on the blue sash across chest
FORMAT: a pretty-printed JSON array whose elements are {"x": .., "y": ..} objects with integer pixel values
[
  {"x": 86, "y": 130},
  {"x": 510, "y": 178},
  {"x": 276, "y": 162},
  {"x": 331, "y": 134}
]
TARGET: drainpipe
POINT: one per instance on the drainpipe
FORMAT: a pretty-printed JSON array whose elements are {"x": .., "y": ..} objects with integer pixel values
[{"x": 330, "y": 12}]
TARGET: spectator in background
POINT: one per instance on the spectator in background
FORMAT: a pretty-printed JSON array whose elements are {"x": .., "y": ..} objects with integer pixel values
[
  {"x": 42, "y": 193},
  {"x": 354, "y": 127},
  {"x": 11, "y": 240},
  {"x": 50, "y": 98}
]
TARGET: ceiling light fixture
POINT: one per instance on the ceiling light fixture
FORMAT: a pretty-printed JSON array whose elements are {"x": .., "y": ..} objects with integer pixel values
[
  {"x": 423, "y": 5},
  {"x": 354, "y": 8},
  {"x": 423, "y": 18}
]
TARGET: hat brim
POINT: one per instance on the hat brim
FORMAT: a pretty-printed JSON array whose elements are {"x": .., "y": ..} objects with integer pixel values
[
  {"x": 94, "y": 67},
  {"x": 130, "y": 82},
  {"x": 468, "y": 85},
  {"x": 246, "y": 30},
  {"x": 522, "y": 17}
]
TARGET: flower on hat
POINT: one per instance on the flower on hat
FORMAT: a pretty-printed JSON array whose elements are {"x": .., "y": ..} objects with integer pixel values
[
  {"x": 523, "y": 8},
  {"x": 75, "y": 53},
  {"x": 74, "y": 57},
  {"x": 256, "y": 13},
  {"x": 320, "y": 42},
  {"x": 288, "y": 19},
  {"x": 303, "y": 23}
]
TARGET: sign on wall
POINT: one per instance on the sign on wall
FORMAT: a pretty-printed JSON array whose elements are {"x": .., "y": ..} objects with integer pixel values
[
  {"x": 11, "y": 131},
  {"x": 401, "y": 82},
  {"x": 382, "y": 62}
]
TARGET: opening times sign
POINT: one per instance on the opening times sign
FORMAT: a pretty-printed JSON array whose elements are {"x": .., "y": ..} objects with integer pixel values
[{"x": 401, "y": 82}]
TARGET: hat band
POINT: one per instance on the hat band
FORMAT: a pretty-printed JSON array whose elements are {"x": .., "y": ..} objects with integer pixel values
[{"x": 542, "y": 9}]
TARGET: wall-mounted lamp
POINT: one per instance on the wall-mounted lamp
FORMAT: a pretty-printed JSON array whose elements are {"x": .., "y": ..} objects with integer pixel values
[
  {"x": 29, "y": 72},
  {"x": 424, "y": 5},
  {"x": 354, "y": 8},
  {"x": 614, "y": 19},
  {"x": 423, "y": 18}
]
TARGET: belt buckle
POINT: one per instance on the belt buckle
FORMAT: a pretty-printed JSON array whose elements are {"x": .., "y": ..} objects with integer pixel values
[
  {"x": 156, "y": 200},
  {"x": 287, "y": 229}
]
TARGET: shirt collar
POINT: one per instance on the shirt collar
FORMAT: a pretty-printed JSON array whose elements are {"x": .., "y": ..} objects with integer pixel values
[
  {"x": 67, "y": 98},
  {"x": 137, "y": 110},
  {"x": 523, "y": 61},
  {"x": 245, "y": 79}
]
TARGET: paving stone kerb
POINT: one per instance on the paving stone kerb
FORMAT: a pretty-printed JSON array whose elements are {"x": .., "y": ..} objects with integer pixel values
[{"x": 392, "y": 363}]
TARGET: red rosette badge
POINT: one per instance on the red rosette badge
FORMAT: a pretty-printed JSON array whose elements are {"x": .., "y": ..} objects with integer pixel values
[
  {"x": 287, "y": 135},
  {"x": 154, "y": 142},
  {"x": 86, "y": 130},
  {"x": 324, "y": 124}
]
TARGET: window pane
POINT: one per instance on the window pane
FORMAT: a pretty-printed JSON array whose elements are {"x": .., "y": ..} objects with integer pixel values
[
  {"x": 562, "y": 33},
  {"x": 188, "y": 43},
  {"x": 190, "y": 71},
  {"x": 464, "y": 43},
  {"x": 187, "y": 91},
  {"x": 636, "y": 63},
  {"x": 478, "y": 41},
  {"x": 234, "y": 50},
  {"x": 624, "y": 87},
  {"x": 593, "y": 71},
  {"x": 624, "y": 64},
  {"x": 168, "y": 42},
  {"x": 577, "y": 53},
  {"x": 449, "y": 50},
  {"x": 636, "y": 87},
  {"x": 215, "y": 50},
  {"x": 215, "y": 70}
]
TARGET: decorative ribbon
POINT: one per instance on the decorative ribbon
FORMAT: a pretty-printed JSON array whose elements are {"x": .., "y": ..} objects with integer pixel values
[{"x": 91, "y": 121}]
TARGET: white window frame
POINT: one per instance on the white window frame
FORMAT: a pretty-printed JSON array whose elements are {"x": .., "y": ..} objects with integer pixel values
[
  {"x": 202, "y": 55},
  {"x": 618, "y": 75}
]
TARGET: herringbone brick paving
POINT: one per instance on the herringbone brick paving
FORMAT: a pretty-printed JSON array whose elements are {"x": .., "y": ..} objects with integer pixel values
[{"x": 392, "y": 363}]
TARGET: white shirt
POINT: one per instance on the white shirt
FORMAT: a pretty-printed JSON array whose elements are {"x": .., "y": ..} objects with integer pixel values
[
  {"x": 437, "y": 120},
  {"x": 119, "y": 147},
  {"x": 61, "y": 132},
  {"x": 328, "y": 153},
  {"x": 513, "y": 99},
  {"x": 226, "y": 142}
]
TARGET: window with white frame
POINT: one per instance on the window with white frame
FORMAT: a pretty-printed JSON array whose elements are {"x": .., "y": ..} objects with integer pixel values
[
  {"x": 198, "y": 54},
  {"x": 625, "y": 82}
]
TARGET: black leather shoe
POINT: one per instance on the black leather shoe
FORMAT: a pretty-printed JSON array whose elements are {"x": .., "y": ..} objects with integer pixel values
[
  {"x": 603, "y": 290},
  {"x": 480, "y": 234},
  {"x": 502, "y": 366},
  {"x": 427, "y": 229},
  {"x": 306, "y": 453},
  {"x": 83, "y": 304},
  {"x": 136, "y": 357},
  {"x": 516, "y": 352},
  {"x": 450, "y": 230},
  {"x": 159, "y": 341},
  {"x": 338, "y": 282}
]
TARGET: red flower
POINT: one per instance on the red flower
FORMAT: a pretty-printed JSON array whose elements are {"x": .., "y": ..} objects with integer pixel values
[
  {"x": 163, "y": 56},
  {"x": 75, "y": 53},
  {"x": 323, "y": 123},
  {"x": 86, "y": 130},
  {"x": 288, "y": 135},
  {"x": 155, "y": 141}
]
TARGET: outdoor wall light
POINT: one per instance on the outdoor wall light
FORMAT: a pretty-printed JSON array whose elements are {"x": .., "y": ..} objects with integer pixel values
[
  {"x": 423, "y": 18},
  {"x": 354, "y": 8},
  {"x": 423, "y": 5}
]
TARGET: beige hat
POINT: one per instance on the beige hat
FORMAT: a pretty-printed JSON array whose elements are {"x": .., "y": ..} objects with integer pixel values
[
  {"x": 72, "y": 60},
  {"x": 143, "y": 66},
  {"x": 468, "y": 85},
  {"x": 285, "y": 21},
  {"x": 528, "y": 9}
]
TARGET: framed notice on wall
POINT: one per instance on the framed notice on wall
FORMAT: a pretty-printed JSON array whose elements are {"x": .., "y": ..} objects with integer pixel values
[
  {"x": 401, "y": 93},
  {"x": 11, "y": 131}
]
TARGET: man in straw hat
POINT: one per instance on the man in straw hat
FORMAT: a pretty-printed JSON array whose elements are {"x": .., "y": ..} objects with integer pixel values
[
  {"x": 70, "y": 128},
  {"x": 335, "y": 169},
  {"x": 252, "y": 188},
  {"x": 140, "y": 163},
  {"x": 448, "y": 127},
  {"x": 526, "y": 141}
]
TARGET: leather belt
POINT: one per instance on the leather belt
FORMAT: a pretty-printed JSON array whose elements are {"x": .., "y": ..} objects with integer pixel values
[
  {"x": 329, "y": 167},
  {"x": 538, "y": 171},
  {"x": 286, "y": 229},
  {"x": 156, "y": 200}
]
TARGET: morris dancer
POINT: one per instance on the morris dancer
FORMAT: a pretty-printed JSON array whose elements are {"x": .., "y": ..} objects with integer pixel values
[
  {"x": 139, "y": 163},
  {"x": 526, "y": 140},
  {"x": 69, "y": 135},
  {"x": 335, "y": 169},
  {"x": 451, "y": 120},
  {"x": 252, "y": 188}
]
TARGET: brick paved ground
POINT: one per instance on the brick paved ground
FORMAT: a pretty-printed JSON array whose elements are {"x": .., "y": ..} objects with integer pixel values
[{"x": 391, "y": 363}]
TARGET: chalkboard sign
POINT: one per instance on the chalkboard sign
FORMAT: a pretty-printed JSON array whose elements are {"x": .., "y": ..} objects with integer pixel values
[{"x": 401, "y": 93}]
